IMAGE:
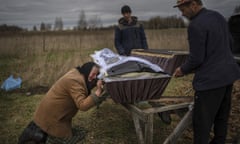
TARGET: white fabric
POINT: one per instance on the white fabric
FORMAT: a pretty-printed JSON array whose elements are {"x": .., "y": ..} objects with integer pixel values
[{"x": 107, "y": 59}]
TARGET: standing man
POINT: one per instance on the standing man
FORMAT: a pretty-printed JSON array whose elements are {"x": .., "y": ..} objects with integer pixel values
[
  {"x": 52, "y": 121},
  {"x": 215, "y": 70},
  {"x": 129, "y": 34}
]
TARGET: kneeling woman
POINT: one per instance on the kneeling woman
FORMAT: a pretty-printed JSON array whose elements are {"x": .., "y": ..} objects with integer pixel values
[{"x": 52, "y": 122}]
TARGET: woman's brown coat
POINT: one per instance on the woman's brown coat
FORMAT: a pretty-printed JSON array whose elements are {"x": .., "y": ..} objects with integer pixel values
[{"x": 61, "y": 103}]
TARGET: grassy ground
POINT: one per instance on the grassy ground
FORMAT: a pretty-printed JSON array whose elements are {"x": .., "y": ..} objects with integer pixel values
[
  {"x": 111, "y": 123},
  {"x": 15, "y": 111},
  {"x": 41, "y": 63}
]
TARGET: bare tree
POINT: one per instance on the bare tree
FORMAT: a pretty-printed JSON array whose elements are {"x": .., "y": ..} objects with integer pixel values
[
  {"x": 95, "y": 22},
  {"x": 45, "y": 27},
  {"x": 48, "y": 27},
  {"x": 34, "y": 28},
  {"x": 58, "y": 24},
  {"x": 237, "y": 9},
  {"x": 82, "y": 23},
  {"x": 42, "y": 27}
]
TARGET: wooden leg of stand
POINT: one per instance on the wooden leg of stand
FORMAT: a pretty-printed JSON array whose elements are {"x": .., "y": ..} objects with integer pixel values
[
  {"x": 178, "y": 131},
  {"x": 138, "y": 128},
  {"x": 149, "y": 129}
]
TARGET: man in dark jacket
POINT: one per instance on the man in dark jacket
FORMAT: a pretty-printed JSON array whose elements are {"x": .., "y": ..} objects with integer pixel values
[
  {"x": 129, "y": 34},
  {"x": 215, "y": 70}
]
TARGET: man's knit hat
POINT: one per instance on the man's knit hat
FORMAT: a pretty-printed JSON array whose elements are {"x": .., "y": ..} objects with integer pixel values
[{"x": 126, "y": 9}]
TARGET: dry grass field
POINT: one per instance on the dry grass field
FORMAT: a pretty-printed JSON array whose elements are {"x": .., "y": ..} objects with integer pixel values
[{"x": 41, "y": 58}]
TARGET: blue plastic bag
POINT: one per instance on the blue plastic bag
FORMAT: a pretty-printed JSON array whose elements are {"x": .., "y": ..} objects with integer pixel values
[{"x": 10, "y": 83}]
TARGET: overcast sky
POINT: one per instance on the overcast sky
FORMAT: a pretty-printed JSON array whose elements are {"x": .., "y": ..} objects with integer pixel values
[{"x": 26, "y": 13}]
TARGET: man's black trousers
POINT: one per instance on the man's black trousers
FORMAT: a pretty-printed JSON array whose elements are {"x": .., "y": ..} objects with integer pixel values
[{"x": 211, "y": 110}]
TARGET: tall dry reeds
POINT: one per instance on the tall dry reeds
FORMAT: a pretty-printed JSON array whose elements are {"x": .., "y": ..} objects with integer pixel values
[
  {"x": 171, "y": 39},
  {"x": 41, "y": 58}
]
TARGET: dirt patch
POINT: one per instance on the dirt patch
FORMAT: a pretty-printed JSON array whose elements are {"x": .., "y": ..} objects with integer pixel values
[{"x": 234, "y": 125}]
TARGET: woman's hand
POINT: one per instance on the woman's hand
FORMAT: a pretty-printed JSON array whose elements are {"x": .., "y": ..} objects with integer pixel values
[{"x": 99, "y": 90}]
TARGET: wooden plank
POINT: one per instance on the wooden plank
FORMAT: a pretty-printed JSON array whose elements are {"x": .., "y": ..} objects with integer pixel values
[
  {"x": 149, "y": 130},
  {"x": 173, "y": 99},
  {"x": 166, "y": 108},
  {"x": 138, "y": 128},
  {"x": 146, "y": 115},
  {"x": 134, "y": 109},
  {"x": 180, "y": 128}
]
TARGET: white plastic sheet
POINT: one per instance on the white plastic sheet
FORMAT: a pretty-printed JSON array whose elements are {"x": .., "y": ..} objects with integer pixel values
[{"x": 107, "y": 59}]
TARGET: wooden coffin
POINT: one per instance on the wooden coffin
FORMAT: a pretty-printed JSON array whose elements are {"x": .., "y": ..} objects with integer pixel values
[
  {"x": 166, "y": 59},
  {"x": 135, "y": 87}
]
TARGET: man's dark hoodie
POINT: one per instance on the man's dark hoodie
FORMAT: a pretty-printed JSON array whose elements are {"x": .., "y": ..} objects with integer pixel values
[{"x": 129, "y": 36}]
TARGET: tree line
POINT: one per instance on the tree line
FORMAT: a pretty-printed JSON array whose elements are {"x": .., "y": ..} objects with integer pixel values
[
  {"x": 95, "y": 22},
  {"x": 10, "y": 28},
  {"x": 164, "y": 22},
  {"x": 82, "y": 23}
]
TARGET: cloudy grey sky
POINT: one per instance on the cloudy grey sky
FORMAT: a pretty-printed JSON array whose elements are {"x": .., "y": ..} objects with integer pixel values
[{"x": 26, "y": 13}]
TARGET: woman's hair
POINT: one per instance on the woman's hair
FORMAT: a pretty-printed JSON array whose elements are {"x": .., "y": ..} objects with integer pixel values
[{"x": 85, "y": 69}]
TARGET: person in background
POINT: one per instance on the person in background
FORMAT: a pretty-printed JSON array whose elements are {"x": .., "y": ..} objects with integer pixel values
[
  {"x": 129, "y": 34},
  {"x": 215, "y": 70},
  {"x": 52, "y": 121}
]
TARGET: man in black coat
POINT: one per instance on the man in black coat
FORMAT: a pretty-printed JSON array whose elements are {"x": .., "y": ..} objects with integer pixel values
[
  {"x": 215, "y": 70},
  {"x": 129, "y": 34}
]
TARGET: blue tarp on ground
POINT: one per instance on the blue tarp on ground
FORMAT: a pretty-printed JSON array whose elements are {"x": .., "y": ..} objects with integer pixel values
[{"x": 11, "y": 83}]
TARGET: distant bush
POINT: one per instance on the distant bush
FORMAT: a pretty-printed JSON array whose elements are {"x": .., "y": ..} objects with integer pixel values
[
  {"x": 164, "y": 22},
  {"x": 12, "y": 28}
]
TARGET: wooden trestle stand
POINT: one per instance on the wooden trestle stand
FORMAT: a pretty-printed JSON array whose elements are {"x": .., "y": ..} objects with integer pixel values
[{"x": 146, "y": 116}]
